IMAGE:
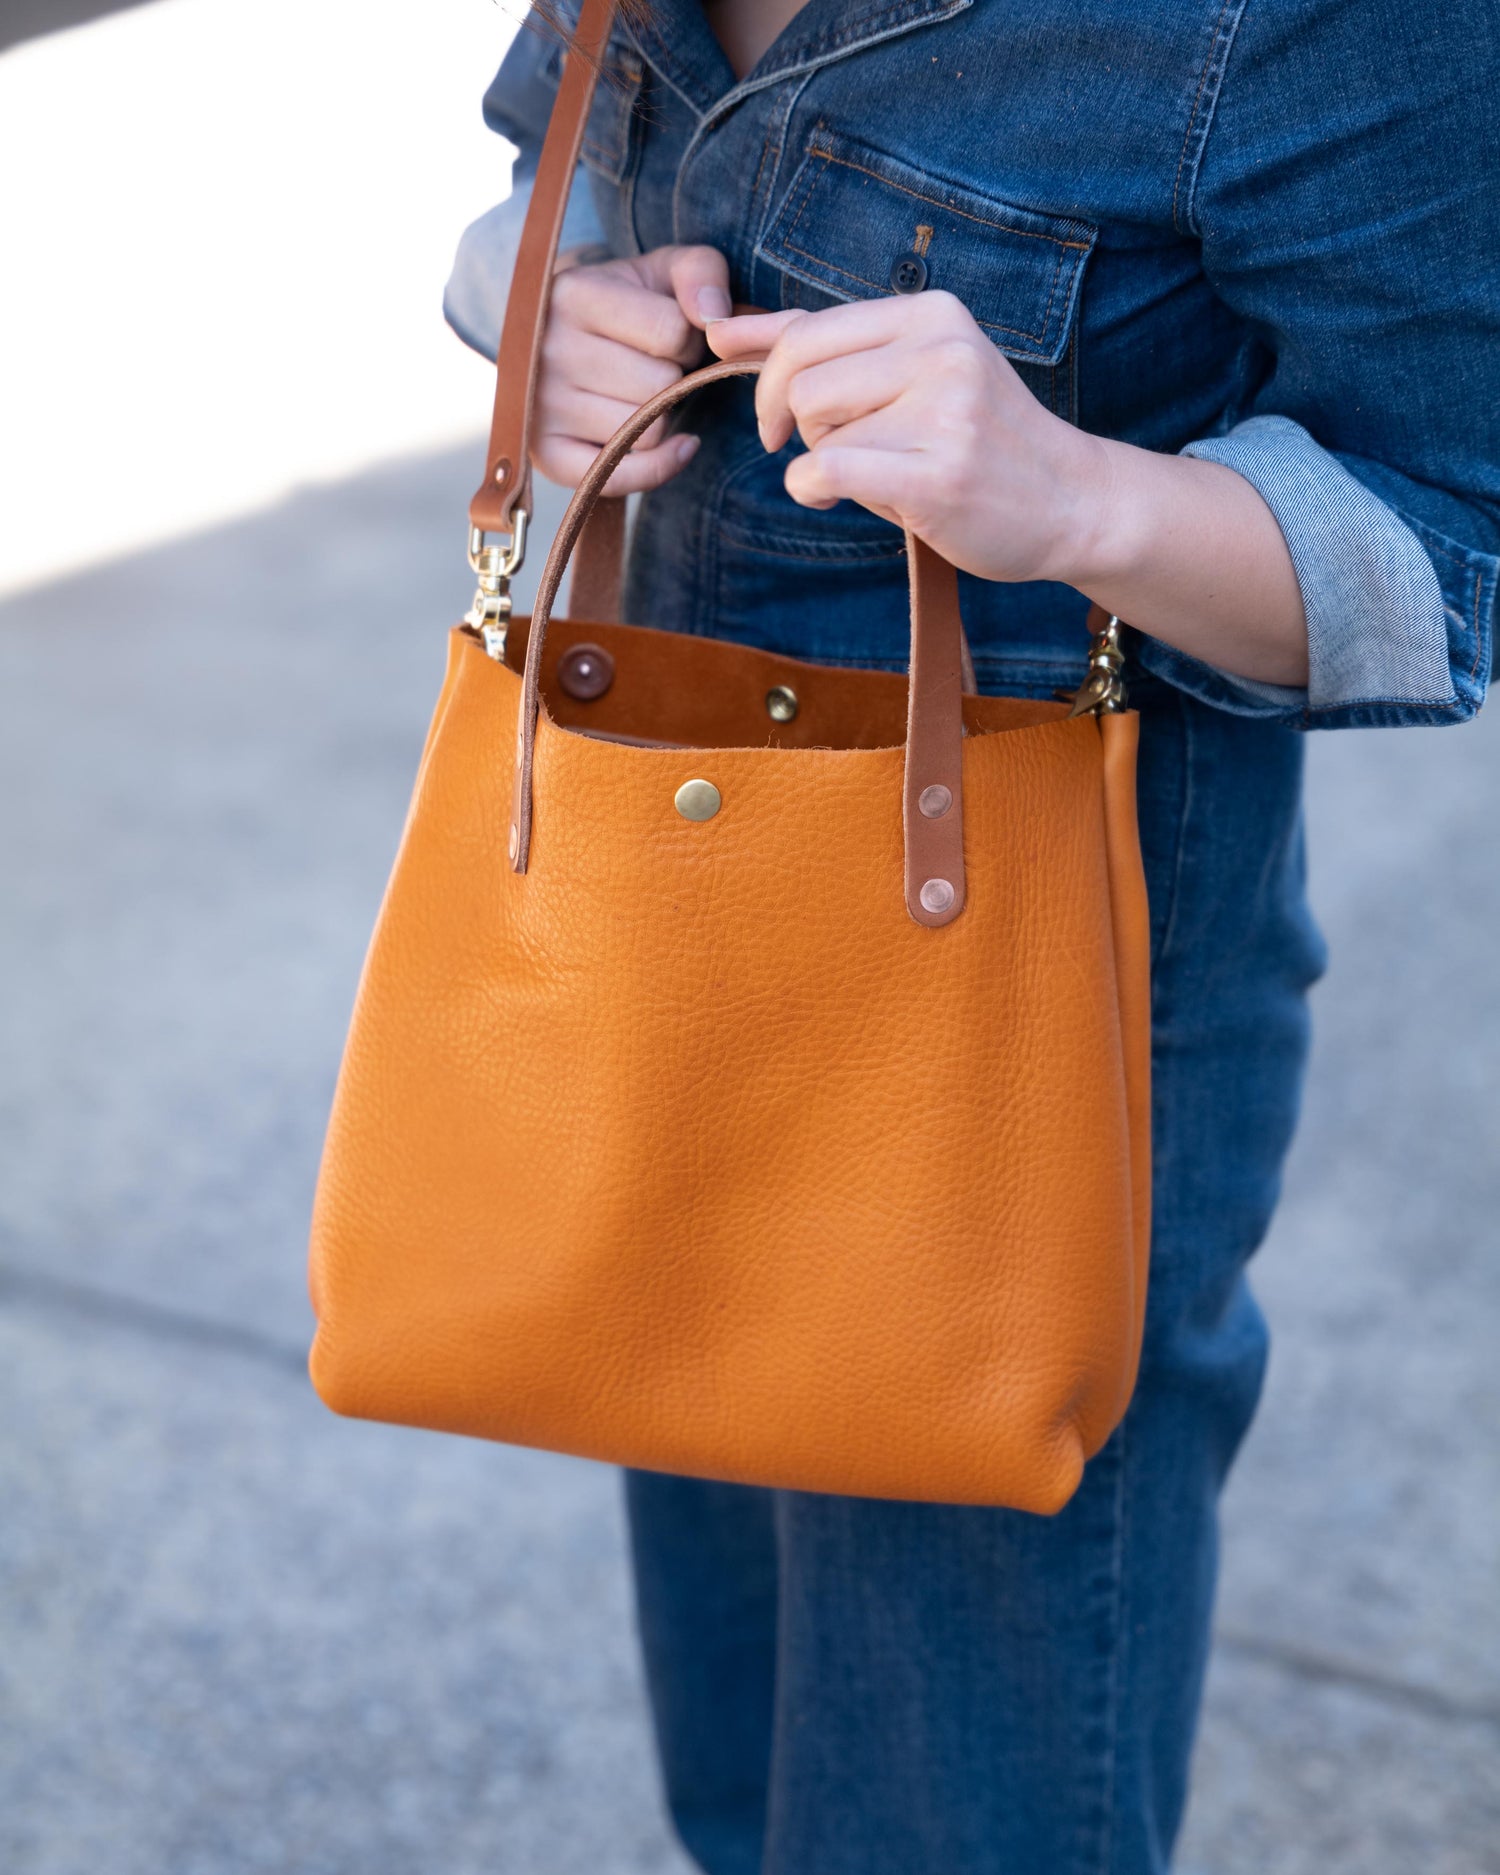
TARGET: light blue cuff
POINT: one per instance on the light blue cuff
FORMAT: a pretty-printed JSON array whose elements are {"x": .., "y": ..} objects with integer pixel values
[
  {"x": 1375, "y": 621},
  {"x": 474, "y": 298}
]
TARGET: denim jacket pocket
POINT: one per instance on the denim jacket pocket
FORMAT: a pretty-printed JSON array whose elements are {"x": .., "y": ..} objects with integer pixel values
[{"x": 855, "y": 223}]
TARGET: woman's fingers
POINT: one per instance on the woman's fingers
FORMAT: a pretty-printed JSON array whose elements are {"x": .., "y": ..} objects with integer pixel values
[
  {"x": 588, "y": 362},
  {"x": 878, "y": 479},
  {"x": 565, "y": 410},
  {"x": 750, "y": 335},
  {"x": 850, "y": 331},
  {"x": 614, "y": 302},
  {"x": 567, "y": 459},
  {"x": 619, "y": 332},
  {"x": 830, "y": 396},
  {"x": 792, "y": 343}
]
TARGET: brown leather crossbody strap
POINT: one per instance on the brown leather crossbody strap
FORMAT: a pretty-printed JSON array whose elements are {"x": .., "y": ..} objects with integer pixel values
[
  {"x": 932, "y": 798},
  {"x": 507, "y": 474}
]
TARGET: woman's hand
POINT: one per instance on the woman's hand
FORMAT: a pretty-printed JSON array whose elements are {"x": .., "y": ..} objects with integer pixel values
[
  {"x": 907, "y": 408},
  {"x": 618, "y": 332}
]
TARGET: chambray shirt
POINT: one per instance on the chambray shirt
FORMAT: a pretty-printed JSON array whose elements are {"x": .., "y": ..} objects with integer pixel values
[{"x": 1264, "y": 232}]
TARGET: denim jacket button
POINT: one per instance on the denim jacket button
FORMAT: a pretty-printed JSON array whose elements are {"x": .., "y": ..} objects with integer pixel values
[{"x": 908, "y": 273}]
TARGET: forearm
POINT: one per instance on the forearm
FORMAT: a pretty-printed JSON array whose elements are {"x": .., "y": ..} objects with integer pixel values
[{"x": 1189, "y": 551}]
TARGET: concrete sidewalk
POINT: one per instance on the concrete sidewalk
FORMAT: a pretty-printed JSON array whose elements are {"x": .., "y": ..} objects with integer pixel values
[{"x": 239, "y": 1635}]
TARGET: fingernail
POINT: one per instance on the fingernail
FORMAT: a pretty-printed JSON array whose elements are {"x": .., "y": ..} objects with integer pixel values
[
  {"x": 712, "y": 303},
  {"x": 687, "y": 448}
]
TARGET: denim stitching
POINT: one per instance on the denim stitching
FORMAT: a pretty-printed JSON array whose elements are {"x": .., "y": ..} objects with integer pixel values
[
  {"x": 1215, "y": 63},
  {"x": 985, "y": 221},
  {"x": 759, "y": 208},
  {"x": 1208, "y": 60},
  {"x": 1478, "y": 630},
  {"x": 1184, "y": 814},
  {"x": 826, "y": 157},
  {"x": 870, "y": 32},
  {"x": 1463, "y": 562},
  {"x": 773, "y": 547},
  {"x": 611, "y": 156},
  {"x": 852, "y": 34},
  {"x": 1034, "y": 338},
  {"x": 1051, "y": 296},
  {"x": 1074, "y": 411},
  {"x": 760, "y": 167},
  {"x": 1217, "y": 695},
  {"x": 1115, "y": 1676},
  {"x": 1434, "y": 546}
]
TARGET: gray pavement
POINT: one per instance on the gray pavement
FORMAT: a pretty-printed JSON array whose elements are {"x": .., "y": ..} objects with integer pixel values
[
  {"x": 239, "y": 1635},
  {"x": 29, "y": 19}
]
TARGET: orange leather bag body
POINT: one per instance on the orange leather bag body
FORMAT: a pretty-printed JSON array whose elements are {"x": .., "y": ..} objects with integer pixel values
[{"x": 749, "y": 1073}]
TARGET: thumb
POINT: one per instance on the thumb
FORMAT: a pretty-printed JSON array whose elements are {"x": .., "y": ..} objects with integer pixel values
[{"x": 698, "y": 278}]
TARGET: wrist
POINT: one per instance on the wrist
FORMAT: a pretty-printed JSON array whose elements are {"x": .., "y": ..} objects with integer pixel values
[{"x": 1108, "y": 525}]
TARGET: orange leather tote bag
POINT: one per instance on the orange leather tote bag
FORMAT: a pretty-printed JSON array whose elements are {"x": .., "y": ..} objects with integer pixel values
[{"x": 749, "y": 1073}]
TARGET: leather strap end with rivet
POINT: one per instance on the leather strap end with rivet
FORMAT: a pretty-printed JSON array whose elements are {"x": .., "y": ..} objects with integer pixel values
[{"x": 932, "y": 787}]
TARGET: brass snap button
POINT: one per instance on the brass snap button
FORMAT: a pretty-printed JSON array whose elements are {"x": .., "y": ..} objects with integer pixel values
[
  {"x": 908, "y": 273},
  {"x": 781, "y": 703},
  {"x": 697, "y": 800},
  {"x": 585, "y": 672}
]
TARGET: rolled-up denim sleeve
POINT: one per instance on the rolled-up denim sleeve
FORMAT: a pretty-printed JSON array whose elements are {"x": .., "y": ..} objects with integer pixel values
[
  {"x": 517, "y": 106},
  {"x": 1346, "y": 194}
]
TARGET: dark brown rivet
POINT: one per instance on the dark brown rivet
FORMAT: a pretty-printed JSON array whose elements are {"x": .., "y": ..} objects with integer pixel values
[
  {"x": 935, "y": 801},
  {"x": 585, "y": 671},
  {"x": 937, "y": 895}
]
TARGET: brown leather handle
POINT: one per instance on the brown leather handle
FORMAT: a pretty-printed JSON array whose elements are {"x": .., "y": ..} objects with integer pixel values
[
  {"x": 932, "y": 794},
  {"x": 507, "y": 475},
  {"x": 599, "y": 577}
]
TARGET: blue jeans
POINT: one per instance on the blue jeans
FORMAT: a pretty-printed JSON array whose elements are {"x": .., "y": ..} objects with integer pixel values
[{"x": 847, "y": 1687}]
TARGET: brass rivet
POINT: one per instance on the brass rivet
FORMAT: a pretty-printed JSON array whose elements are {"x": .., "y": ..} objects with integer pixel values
[
  {"x": 936, "y": 895},
  {"x": 935, "y": 801},
  {"x": 781, "y": 703},
  {"x": 697, "y": 800}
]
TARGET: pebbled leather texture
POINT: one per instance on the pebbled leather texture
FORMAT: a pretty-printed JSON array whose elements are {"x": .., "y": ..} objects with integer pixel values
[{"x": 688, "y": 1149}]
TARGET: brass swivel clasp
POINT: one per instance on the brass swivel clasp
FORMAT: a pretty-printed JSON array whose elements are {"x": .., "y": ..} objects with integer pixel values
[
  {"x": 495, "y": 565},
  {"x": 1103, "y": 688}
]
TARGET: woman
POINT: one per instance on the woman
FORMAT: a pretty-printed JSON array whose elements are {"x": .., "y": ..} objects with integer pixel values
[{"x": 1189, "y": 309}]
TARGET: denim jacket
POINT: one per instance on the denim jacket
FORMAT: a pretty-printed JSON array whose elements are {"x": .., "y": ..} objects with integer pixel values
[{"x": 1266, "y": 232}]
